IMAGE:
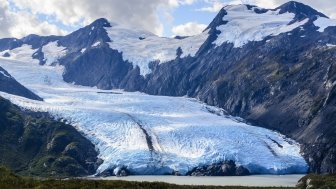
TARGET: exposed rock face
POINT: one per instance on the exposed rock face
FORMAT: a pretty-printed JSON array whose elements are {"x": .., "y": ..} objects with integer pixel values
[
  {"x": 86, "y": 68},
  {"x": 227, "y": 168},
  {"x": 119, "y": 172}
]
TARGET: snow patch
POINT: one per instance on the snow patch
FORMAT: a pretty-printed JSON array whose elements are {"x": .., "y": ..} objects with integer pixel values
[
  {"x": 141, "y": 47},
  {"x": 244, "y": 25},
  {"x": 23, "y": 53},
  {"x": 330, "y": 45},
  {"x": 96, "y": 44},
  {"x": 323, "y": 23},
  {"x": 4, "y": 74},
  {"x": 53, "y": 52}
]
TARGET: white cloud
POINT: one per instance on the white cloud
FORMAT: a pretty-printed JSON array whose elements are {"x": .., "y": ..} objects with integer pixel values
[
  {"x": 176, "y": 3},
  {"x": 140, "y": 13},
  {"x": 21, "y": 23},
  {"x": 188, "y": 29},
  {"x": 217, "y": 5}
]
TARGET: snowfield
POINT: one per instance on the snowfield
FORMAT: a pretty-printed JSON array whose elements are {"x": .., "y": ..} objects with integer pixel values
[
  {"x": 153, "y": 134},
  {"x": 141, "y": 47},
  {"x": 244, "y": 25},
  {"x": 52, "y": 52},
  {"x": 324, "y": 23}
]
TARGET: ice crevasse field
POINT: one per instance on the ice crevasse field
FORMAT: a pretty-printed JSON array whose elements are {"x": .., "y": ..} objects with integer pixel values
[{"x": 152, "y": 134}]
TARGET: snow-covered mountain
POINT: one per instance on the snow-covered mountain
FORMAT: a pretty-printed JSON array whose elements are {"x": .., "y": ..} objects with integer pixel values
[
  {"x": 273, "y": 67},
  {"x": 235, "y": 24}
]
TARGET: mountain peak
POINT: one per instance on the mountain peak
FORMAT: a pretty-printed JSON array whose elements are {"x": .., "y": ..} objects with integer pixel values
[
  {"x": 218, "y": 20},
  {"x": 101, "y": 22},
  {"x": 301, "y": 10}
]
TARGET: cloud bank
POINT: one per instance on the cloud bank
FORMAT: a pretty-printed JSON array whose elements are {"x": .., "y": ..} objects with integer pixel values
[
  {"x": 188, "y": 29},
  {"x": 19, "y": 18}
]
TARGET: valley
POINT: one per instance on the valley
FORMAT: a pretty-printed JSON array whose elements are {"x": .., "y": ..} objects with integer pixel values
[
  {"x": 147, "y": 134},
  {"x": 253, "y": 93}
]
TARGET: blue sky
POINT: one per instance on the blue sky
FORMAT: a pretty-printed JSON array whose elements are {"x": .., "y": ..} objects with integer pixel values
[
  {"x": 188, "y": 13},
  {"x": 19, "y": 18}
]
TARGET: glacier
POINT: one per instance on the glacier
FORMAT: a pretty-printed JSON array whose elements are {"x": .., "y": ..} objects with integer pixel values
[{"x": 151, "y": 134}]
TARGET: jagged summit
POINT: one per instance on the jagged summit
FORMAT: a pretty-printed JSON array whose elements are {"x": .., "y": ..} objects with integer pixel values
[
  {"x": 300, "y": 10},
  {"x": 100, "y": 22},
  {"x": 218, "y": 20}
]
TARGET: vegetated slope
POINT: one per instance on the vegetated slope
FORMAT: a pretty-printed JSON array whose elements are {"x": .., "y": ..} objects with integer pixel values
[
  {"x": 34, "y": 144},
  {"x": 317, "y": 181}
]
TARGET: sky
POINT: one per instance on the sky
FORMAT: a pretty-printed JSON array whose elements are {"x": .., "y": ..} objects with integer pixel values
[{"x": 18, "y": 18}]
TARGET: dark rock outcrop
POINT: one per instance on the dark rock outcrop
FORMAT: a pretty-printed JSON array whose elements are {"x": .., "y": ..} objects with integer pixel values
[
  {"x": 122, "y": 172},
  {"x": 119, "y": 172},
  {"x": 226, "y": 168},
  {"x": 9, "y": 43}
]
